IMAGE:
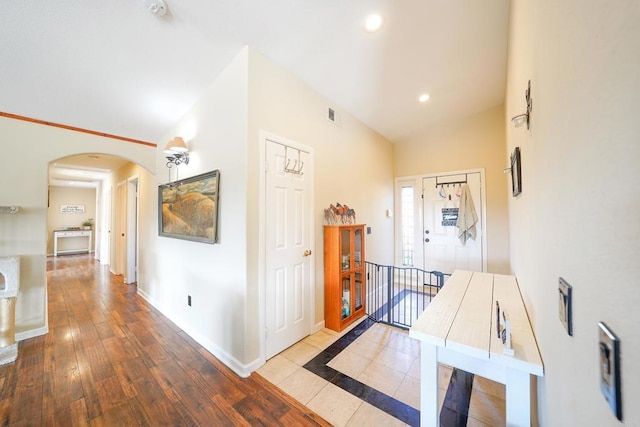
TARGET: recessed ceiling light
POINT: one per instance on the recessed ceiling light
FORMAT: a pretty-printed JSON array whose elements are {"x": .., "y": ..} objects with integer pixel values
[
  {"x": 423, "y": 98},
  {"x": 373, "y": 23}
]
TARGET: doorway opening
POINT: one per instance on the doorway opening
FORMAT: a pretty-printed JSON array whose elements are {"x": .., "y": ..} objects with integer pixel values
[{"x": 83, "y": 189}]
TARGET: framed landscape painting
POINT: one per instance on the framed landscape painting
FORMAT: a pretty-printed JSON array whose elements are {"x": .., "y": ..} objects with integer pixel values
[{"x": 188, "y": 209}]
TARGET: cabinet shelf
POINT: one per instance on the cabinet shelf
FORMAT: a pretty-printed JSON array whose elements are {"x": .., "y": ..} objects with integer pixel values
[{"x": 344, "y": 285}]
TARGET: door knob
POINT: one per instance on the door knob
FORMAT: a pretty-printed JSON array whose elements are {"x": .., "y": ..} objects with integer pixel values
[
  {"x": 426, "y": 231},
  {"x": 426, "y": 240},
  {"x": 307, "y": 252}
]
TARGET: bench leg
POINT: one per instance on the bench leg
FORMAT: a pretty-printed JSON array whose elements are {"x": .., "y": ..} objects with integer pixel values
[
  {"x": 518, "y": 398},
  {"x": 429, "y": 411}
]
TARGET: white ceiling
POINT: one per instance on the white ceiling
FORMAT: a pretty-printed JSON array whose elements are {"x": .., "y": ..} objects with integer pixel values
[{"x": 113, "y": 67}]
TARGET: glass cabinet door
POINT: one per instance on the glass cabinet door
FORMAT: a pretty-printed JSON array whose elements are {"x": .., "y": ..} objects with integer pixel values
[
  {"x": 357, "y": 248},
  {"x": 346, "y": 296},
  {"x": 358, "y": 291},
  {"x": 345, "y": 250}
]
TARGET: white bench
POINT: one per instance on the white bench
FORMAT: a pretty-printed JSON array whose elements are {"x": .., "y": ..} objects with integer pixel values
[{"x": 458, "y": 328}]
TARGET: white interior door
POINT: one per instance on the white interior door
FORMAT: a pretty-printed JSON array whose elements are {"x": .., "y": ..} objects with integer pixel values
[
  {"x": 132, "y": 231},
  {"x": 120, "y": 225},
  {"x": 443, "y": 250},
  {"x": 105, "y": 241},
  {"x": 288, "y": 237}
]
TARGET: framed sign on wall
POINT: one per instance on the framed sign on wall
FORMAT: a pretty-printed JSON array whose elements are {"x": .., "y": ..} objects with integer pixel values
[{"x": 71, "y": 209}]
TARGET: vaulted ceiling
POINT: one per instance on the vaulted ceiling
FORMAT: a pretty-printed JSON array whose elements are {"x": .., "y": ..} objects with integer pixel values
[{"x": 115, "y": 67}]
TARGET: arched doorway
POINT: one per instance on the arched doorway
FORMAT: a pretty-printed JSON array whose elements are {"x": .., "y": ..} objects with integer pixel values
[{"x": 100, "y": 189}]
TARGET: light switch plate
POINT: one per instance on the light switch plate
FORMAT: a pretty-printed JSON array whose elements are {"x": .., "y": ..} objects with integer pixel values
[
  {"x": 609, "y": 346},
  {"x": 565, "y": 298}
]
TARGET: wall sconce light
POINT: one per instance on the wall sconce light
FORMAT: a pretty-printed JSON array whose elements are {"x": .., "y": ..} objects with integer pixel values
[
  {"x": 177, "y": 152},
  {"x": 522, "y": 119},
  {"x": 157, "y": 7}
]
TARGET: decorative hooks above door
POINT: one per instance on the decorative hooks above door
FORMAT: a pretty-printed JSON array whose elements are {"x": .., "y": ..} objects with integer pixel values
[
  {"x": 298, "y": 164},
  {"x": 454, "y": 183}
]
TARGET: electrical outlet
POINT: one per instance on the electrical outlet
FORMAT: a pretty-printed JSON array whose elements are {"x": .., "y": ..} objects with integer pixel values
[
  {"x": 609, "y": 346},
  {"x": 189, "y": 300},
  {"x": 564, "y": 305}
]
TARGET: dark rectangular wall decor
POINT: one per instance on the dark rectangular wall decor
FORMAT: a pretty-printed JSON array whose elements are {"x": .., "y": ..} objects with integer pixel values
[
  {"x": 516, "y": 173},
  {"x": 188, "y": 209}
]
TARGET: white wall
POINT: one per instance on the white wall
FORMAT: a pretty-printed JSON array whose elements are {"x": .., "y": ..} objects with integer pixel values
[
  {"x": 57, "y": 221},
  {"x": 353, "y": 165},
  {"x": 214, "y": 275},
  {"x": 579, "y": 214},
  {"x": 222, "y": 130},
  {"x": 25, "y": 233},
  {"x": 472, "y": 142}
]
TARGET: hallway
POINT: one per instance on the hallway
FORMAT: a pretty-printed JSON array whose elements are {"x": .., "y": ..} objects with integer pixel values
[{"x": 112, "y": 359}]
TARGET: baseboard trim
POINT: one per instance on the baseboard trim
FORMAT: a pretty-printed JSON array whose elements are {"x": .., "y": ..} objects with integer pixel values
[
  {"x": 318, "y": 327},
  {"x": 241, "y": 369},
  {"x": 20, "y": 336}
]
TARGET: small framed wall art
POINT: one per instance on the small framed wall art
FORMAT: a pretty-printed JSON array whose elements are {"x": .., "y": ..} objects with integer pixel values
[{"x": 516, "y": 172}]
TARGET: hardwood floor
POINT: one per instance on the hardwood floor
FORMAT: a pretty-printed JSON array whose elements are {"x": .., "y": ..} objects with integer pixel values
[{"x": 112, "y": 359}]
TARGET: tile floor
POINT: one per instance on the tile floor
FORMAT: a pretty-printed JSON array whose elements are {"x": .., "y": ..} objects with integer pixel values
[{"x": 370, "y": 375}]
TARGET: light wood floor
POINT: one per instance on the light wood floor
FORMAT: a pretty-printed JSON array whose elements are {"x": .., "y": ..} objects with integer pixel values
[{"x": 111, "y": 359}]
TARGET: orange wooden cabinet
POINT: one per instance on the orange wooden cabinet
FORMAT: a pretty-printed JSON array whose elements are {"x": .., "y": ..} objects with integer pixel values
[{"x": 344, "y": 275}]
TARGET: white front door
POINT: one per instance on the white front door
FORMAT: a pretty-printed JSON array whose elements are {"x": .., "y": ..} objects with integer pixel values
[
  {"x": 288, "y": 237},
  {"x": 443, "y": 250}
]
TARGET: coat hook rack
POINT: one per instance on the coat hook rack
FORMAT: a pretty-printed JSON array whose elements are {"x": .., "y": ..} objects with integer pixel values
[
  {"x": 298, "y": 164},
  {"x": 448, "y": 183},
  {"x": 525, "y": 119}
]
